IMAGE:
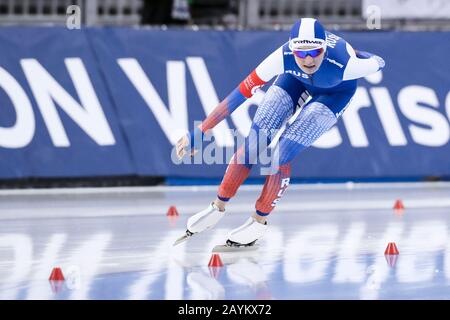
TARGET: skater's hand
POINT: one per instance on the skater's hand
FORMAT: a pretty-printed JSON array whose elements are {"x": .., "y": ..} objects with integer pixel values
[{"x": 182, "y": 146}]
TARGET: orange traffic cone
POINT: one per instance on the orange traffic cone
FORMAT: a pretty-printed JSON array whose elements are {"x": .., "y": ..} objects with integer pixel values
[
  {"x": 391, "y": 249},
  {"x": 215, "y": 261},
  {"x": 215, "y": 264},
  {"x": 56, "y": 275},
  {"x": 172, "y": 212},
  {"x": 398, "y": 205}
]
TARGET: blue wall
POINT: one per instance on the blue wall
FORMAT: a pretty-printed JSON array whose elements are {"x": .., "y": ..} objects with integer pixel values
[{"x": 88, "y": 117}]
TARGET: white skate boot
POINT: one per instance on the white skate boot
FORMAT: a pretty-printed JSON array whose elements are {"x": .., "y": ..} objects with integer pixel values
[
  {"x": 244, "y": 237},
  {"x": 201, "y": 221}
]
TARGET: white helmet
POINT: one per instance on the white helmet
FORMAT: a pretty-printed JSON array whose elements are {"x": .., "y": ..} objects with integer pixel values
[{"x": 307, "y": 33}]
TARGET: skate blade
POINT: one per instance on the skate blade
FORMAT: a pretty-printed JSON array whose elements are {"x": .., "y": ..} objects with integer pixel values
[
  {"x": 227, "y": 248},
  {"x": 183, "y": 238}
]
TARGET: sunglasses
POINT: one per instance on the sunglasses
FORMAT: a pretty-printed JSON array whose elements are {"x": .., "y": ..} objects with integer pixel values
[{"x": 304, "y": 53}]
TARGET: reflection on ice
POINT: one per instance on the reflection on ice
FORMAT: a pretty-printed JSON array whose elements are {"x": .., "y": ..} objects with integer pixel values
[
  {"x": 204, "y": 287},
  {"x": 339, "y": 255}
]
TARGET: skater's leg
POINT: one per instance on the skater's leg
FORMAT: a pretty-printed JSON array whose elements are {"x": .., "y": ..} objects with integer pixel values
[
  {"x": 276, "y": 107},
  {"x": 241, "y": 164},
  {"x": 314, "y": 120},
  {"x": 274, "y": 188},
  {"x": 236, "y": 173}
]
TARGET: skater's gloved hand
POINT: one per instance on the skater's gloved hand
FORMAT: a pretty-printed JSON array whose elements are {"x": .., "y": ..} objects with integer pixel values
[
  {"x": 366, "y": 55},
  {"x": 362, "y": 54},
  {"x": 183, "y": 147}
]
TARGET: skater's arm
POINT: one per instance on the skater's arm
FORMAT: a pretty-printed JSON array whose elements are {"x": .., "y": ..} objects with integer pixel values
[
  {"x": 362, "y": 64},
  {"x": 264, "y": 72}
]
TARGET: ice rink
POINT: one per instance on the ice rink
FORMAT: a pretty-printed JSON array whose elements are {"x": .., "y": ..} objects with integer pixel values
[{"x": 325, "y": 241}]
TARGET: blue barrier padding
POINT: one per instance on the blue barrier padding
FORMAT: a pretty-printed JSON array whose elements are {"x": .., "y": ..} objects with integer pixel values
[{"x": 113, "y": 101}]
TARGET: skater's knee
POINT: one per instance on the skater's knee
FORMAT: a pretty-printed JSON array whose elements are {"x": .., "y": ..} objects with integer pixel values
[
  {"x": 316, "y": 119},
  {"x": 282, "y": 154}
]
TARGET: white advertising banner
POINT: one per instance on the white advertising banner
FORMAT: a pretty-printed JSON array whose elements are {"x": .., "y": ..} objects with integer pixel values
[{"x": 419, "y": 9}]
